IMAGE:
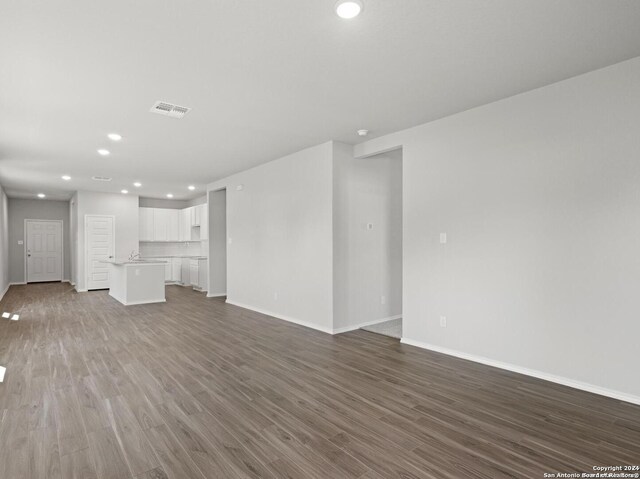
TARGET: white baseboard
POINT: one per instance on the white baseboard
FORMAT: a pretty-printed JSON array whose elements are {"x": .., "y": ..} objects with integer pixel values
[
  {"x": 362, "y": 325},
  {"x": 216, "y": 295},
  {"x": 17, "y": 283},
  {"x": 284, "y": 318},
  {"x": 81, "y": 290},
  {"x": 528, "y": 372}
]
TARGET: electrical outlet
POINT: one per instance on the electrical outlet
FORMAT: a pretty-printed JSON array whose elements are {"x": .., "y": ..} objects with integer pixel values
[
  {"x": 383, "y": 300},
  {"x": 443, "y": 238},
  {"x": 230, "y": 240},
  {"x": 443, "y": 321}
]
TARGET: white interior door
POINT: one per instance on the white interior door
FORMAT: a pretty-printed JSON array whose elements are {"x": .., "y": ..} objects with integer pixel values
[
  {"x": 100, "y": 239},
  {"x": 44, "y": 251}
]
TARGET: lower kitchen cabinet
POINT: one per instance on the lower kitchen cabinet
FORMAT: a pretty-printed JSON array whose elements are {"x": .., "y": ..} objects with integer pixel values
[
  {"x": 176, "y": 270},
  {"x": 198, "y": 274}
]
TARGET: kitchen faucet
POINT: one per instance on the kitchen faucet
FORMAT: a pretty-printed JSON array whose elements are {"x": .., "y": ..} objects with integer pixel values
[{"x": 134, "y": 256}]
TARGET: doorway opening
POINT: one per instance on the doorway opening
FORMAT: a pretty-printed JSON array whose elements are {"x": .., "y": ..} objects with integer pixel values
[
  {"x": 217, "y": 243},
  {"x": 43, "y": 251},
  {"x": 379, "y": 247}
]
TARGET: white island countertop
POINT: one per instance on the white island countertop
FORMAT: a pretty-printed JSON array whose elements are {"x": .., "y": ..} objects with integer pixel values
[
  {"x": 183, "y": 256},
  {"x": 127, "y": 262}
]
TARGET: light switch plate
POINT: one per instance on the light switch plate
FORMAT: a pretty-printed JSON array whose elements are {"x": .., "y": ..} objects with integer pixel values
[
  {"x": 443, "y": 238},
  {"x": 20, "y": 242}
]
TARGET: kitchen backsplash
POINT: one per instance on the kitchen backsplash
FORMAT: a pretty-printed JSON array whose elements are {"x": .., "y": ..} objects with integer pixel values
[{"x": 199, "y": 248}]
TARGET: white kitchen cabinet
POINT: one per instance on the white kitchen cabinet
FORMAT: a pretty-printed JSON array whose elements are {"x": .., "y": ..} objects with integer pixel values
[
  {"x": 185, "y": 224},
  {"x": 176, "y": 267},
  {"x": 185, "y": 274},
  {"x": 160, "y": 224},
  {"x": 196, "y": 215},
  {"x": 167, "y": 268},
  {"x": 203, "y": 274},
  {"x": 145, "y": 224},
  {"x": 173, "y": 225},
  {"x": 198, "y": 273},
  {"x": 204, "y": 222},
  {"x": 193, "y": 272},
  {"x": 166, "y": 224}
]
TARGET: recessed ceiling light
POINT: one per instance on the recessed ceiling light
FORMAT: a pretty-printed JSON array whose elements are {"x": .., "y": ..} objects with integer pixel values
[
  {"x": 363, "y": 132},
  {"x": 41, "y": 195},
  {"x": 137, "y": 184},
  {"x": 66, "y": 177},
  {"x": 103, "y": 152},
  {"x": 349, "y": 8},
  {"x": 169, "y": 195},
  {"x": 114, "y": 137},
  {"x": 191, "y": 187},
  {"x": 124, "y": 192}
]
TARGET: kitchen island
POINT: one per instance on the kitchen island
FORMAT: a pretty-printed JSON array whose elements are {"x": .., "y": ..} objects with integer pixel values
[{"x": 137, "y": 281}]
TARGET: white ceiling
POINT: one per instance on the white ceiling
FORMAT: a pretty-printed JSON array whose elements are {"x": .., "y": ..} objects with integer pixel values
[{"x": 264, "y": 78}]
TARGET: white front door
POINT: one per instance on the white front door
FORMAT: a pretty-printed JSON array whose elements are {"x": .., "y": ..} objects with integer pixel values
[
  {"x": 44, "y": 251},
  {"x": 100, "y": 237}
]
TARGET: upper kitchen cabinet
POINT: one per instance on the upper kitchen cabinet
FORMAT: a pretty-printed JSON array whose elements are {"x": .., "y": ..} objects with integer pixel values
[
  {"x": 171, "y": 225},
  {"x": 159, "y": 224},
  {"x": 146, "y": 224},
  {"x": 204, "y": 222},
  {"x": 185, "y": 224},
  {"x": 195, "y": 215}
]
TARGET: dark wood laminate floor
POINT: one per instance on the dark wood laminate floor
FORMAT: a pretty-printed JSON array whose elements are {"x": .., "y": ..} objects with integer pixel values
[{"x": 196, "y": 388}]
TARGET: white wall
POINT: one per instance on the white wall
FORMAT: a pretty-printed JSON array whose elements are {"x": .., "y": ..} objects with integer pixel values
[
  {"x": 125, "y": 210},
  {"x": 281, "y": 227},
  {"x": 540, "y": 197},
  {"x": 4, "y": 243},
  {"x": 367, "y": 263},
  {"x": 21, "y": 209}
]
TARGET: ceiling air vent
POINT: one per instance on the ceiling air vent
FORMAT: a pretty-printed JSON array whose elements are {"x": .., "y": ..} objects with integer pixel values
[
  {"x": 169, "y": 109},
  {"x": 100, "y": 178}
]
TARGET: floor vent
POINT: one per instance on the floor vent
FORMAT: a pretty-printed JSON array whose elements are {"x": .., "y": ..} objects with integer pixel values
[{"x": 169, "y": 109}]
